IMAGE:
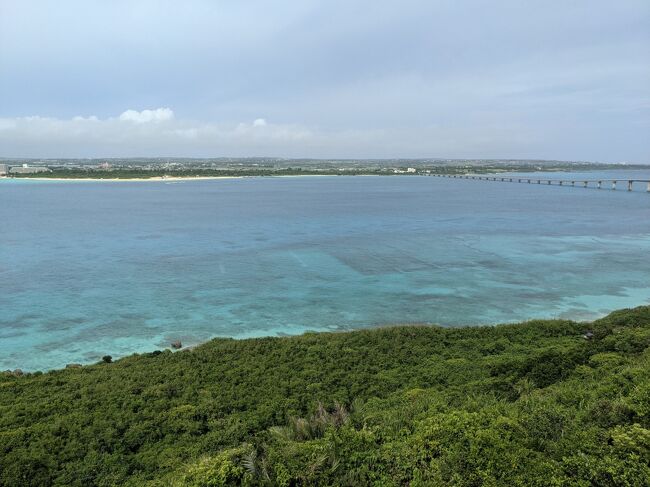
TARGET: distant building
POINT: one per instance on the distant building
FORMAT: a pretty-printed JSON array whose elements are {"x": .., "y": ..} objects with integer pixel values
[
  {"x": 4, "y": 169},
  {"x": 410, "y": 169},
  {"x": 25, "y": 169}
]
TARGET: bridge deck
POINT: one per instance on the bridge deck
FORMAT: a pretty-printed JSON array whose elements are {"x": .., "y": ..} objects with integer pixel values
[{"x": 557, "y": 182}]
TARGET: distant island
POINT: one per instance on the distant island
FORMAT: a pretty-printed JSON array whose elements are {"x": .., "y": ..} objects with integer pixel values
[
  {"x": 537, "y": 403},
  {"x": 160, "y": 168}
]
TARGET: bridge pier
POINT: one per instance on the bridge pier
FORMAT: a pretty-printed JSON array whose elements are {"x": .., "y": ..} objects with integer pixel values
[
  {"x": 629, "y": 185},
  {"x": 614, "y": 184},
  {"x": 586, "y": 183},
  {"x": 648, "y": 187},
  {"x": 600, "y": 183},
  {"x": 561, "y": 182}
]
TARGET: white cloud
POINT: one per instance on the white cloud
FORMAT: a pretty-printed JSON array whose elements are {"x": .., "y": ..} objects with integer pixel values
[
  {"x": 145, "y": 116},
  {"x": 141, "y": 133},
  {"x": 7, "y": 124},
  {"x": 150, "y": 133},
  {"x": 80, "y": 118}
]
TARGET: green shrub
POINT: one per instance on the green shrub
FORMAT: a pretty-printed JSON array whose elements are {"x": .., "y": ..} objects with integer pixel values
[{"x": 527, "y": 404}]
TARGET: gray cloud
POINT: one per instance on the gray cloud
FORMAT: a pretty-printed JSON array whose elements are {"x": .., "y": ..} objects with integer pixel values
[{"x": 541, "y": 79}]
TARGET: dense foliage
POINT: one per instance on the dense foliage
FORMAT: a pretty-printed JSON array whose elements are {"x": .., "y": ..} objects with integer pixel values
[{"x": 530, "y": 404}]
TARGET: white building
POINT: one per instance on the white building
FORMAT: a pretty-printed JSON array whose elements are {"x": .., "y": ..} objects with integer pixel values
[{"x": 28, "y": 169}]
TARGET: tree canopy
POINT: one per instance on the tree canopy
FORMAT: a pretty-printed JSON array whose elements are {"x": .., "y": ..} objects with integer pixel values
[{"x": 537, "y": 403}]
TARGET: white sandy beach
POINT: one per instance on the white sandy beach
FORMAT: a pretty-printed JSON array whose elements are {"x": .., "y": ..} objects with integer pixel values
[
  {"x": 113, "y": 180},
  {"x": 171, "y": 178}
]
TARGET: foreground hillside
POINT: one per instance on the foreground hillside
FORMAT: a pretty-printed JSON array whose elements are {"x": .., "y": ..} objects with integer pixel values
[{"x": 529, "y": 404}]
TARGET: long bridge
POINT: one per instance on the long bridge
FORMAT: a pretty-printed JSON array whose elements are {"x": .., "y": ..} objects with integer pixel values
[{"x": 585, "y": 183}]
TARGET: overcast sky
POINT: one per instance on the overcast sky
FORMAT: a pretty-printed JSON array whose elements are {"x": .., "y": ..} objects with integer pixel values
[{"x": 548, "y": 79}]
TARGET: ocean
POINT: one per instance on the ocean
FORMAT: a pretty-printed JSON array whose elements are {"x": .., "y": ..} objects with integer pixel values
[{"x": 112, "y": 268}]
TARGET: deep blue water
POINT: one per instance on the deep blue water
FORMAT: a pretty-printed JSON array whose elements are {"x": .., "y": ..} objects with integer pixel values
[{"x": 95, "y": 268}]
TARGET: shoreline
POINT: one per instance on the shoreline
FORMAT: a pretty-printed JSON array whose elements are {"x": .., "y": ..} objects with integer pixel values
[
  {"x": 115, "y": 180},
  {"x": 191, "y": 345},
  {"x": 243, "y": 176},
  {"x": 180, "y": 178}
]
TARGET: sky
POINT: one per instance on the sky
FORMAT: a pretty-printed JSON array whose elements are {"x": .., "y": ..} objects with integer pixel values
[{"x": 535, "y": 79}]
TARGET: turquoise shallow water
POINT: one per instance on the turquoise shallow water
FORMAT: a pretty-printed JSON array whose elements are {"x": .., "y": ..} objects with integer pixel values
[{"x": 95, "y": 268}]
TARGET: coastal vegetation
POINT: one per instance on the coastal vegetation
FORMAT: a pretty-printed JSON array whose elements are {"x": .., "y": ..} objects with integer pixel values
[
  {"x": 538, "y": 403},
  {"x": 142, "y": 173},
  {"x": 187, "y": 170}
]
